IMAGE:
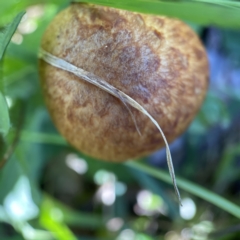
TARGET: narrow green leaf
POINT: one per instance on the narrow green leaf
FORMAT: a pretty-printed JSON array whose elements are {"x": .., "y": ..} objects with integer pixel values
[
  {"x": 4, "y": 116},
  {"x": 51, "y": 218},
  {"x": 204, "y": 12},
  {"x": 158, "y": 173},
  {"x": 189, "y": 187},
  {"x": 226, "y": 3},
  {"x": 74, "y": 218},
  {"x": 5, "y": 37},
  {"x": 7, "y": 33},
  {"x": 45, "y": 138}
]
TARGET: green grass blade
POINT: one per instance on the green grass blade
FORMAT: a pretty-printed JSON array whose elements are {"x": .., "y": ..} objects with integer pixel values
[
  {"x": 74, "y": 218},
  {"x": 54, "y": 223},
  {"x": 4, "y": 116},
  {"x": 158, "y": 173},
  {"x": 204, "y": 12},
  {"x": 44, "y": 138},
  {"x": 225, "y": 3},
  {"x": 189, "y": 187},
  {"x": 7, "y": 33},
  {"x": 5, "y": 37}
]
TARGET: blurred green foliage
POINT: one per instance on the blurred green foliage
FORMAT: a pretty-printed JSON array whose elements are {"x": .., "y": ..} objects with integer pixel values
[
  {"x": 204, "y": 12},
  {"x": 42, "y": 198}
]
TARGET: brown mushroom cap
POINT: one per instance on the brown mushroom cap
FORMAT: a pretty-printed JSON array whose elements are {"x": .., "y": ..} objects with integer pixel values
[{"x": 158, "y": 61}]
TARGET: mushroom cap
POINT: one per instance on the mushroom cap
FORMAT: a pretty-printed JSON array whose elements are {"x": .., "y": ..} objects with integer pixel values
[{"x": 158, "y": 61}]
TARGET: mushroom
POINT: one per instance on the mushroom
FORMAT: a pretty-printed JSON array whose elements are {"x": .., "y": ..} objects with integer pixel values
[{"x": 155, "y": 60}]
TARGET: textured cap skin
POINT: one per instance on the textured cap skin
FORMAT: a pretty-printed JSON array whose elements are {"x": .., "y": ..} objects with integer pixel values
[{"x": 158, "y": 61}]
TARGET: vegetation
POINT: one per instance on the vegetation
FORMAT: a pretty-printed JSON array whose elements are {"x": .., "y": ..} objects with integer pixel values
[{"x": 48, "y": 190}]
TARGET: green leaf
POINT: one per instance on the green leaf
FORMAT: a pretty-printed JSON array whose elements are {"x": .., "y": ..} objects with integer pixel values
[
  {"x": 204, "y": 12},
  {"x": 37, "y": 137},
  {"x": 5, "y": 38},
  {"x": 51, "y": 218},
  {"x": 74, "y": 218},
  {"x": 8, "y": 32},
  {"x": 158, "y": 173},
  {"x": 4, "y": 116},
  {"x": 189, "y": 187}
]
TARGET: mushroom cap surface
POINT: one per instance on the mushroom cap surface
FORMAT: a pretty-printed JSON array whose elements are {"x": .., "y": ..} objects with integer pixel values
[{"x": 158, "y": 61}]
